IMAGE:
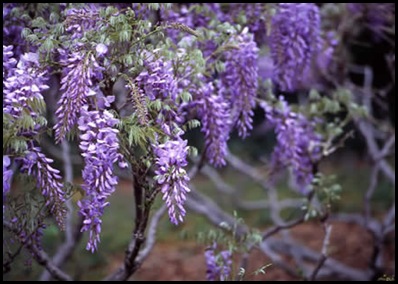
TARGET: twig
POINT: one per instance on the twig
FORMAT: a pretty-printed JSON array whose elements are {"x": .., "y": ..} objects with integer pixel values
[
  {"x": 276, "y": 229},
  {"x": 225, "y": 188},
  {"x": 246, "y": 169},
  {"x": 331, "y": 268},
  {"x": 324, "y": 253},
  {"x": 41, "y": 257}
]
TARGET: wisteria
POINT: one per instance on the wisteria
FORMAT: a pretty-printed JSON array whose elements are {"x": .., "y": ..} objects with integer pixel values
[
  {"x": 377, "y": 16},
  {"x": 240, "y": 81},
  {"x": 99, "y": 145},
  {"x": 218, "y": 267},
  {"x": 158, "y": 98},
  {"x": 213, "y": 111},
  {"x": 77, "y": 84},
  {"x": 157, "y": 80},
  {"x": 171, "y": 158},
  {"x": 24, "y": 85},
  {"x": 295, "y": 40},
  {"x": 190, "y": 18},
  {"x": 49, "y": 180},
  {"x": 81, "y": 20},
  {"x": 298, "y": 145}
]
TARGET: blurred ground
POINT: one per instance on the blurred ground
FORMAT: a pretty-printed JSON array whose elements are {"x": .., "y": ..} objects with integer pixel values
[
  {"x": 177, "y": 254},
  {"x": 175, "y": 261}
]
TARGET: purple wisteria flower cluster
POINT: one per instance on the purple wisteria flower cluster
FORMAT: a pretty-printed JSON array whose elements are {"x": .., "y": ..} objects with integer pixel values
[
  {"x": 295, "y": 40},
  {"x": 190, "y": 18},
  {"x": 99, "y": 145},
  {"x": 25, "y": 83},
  {"x": 298, "y": 145},
  {"x": 240, "y": 81},
  {"x": 22, "y": 84},
  {"x": 49, "y": 181},
  {"x": 77, "y": 83},
  {"x": 81, "y": 20},
  {"x": 171, "y": 158},
  {"x": 213, "y": 111},
  {"x": 218, "y": 267},
  {"x": 157, "y": 80}
]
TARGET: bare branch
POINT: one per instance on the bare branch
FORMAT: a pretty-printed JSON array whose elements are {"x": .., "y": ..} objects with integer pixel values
[
  {"x": 369, "y": 193},
  {"x": 331, "y": 268},
  {"x": 225, "y": 188},
  {"x": 276, "y": 229},
  {"x": 41, "y": 257},
  {"x": 247, "y": 169},
  {"x": 324, "y": 256}
]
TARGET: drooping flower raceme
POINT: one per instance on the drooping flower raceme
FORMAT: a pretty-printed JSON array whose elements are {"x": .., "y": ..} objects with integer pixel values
[
  {"x": 240, "y": 81},
  {"x": 295, "y": 40},
  {"x": 298, "y": 145},
  {"x": 24, "y": 85},
  {"x": 77, "y": 83},
  {"x": 49, "y": 181},
  {"x": 213, "y": 111},
  {"x": 218, "y": 267},
  {"x": 99, "y": 145},
  {"x": 171, "y": 158}
]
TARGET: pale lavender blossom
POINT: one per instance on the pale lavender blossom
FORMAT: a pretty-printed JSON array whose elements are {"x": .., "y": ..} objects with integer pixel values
[
  {"x": 99, "y": 145},
  {"x": 157, "y": 79},
  {"x": 78, "y": 21},
  {"x": 295, "y": 40},
  {"x": 298, "y": 145},
  {"x": 218, "y": 267},
  {"x": 212, "y": 269},
  {"x": 213, "y": 111},
  {"x": 21, "y": 87},
  {"x": 172, "y": 178},
  {"x": 240, "y": 81},
  {"x": 49, "y": 180},
  {"x": 101, "y": 49},
  {"x": 77, "y": 85},
  {"x": 9, "y": 62},
  {"x": 23, "y": 84}
]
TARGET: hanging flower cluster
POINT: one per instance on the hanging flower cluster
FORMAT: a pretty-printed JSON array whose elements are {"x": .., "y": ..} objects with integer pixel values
[
  {"x": 24, "y": 84},
  {"x": 298, "y": 145},
  {"x": 171, "y": 158},
  {"x": 218, "y": 267},
  {"x": 295, "y": 40},
  {"x": 240, "y": 81},
  {"x": 77, "y": 83},
  {"x": 213, "y": 111},
  {"x": 99, "y": 145}
]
